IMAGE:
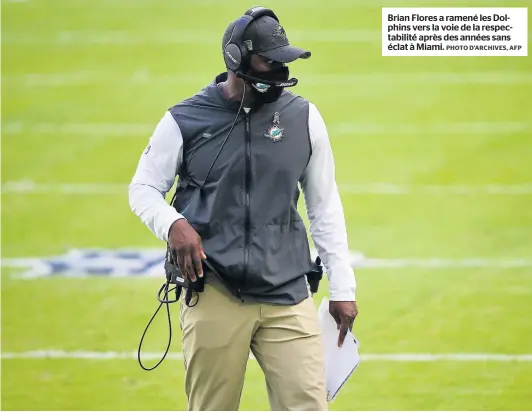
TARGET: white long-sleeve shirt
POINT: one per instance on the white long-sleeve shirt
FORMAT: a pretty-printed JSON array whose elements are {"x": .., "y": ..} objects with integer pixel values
[{"x": 157, "y": 170}]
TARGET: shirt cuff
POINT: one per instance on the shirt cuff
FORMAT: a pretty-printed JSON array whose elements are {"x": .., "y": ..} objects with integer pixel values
[
  {"x": 342, "y": 287},
  {"x": 167, "y": 218}
]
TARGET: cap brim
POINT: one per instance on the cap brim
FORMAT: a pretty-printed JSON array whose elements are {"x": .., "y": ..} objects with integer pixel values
[{"x": 285, "y": 54}]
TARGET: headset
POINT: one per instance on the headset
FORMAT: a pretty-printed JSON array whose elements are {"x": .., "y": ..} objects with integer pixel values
[{"x": 237, "y": 56}]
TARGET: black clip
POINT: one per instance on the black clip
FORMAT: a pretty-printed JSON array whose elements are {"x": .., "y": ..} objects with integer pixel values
[
  {"x": 173, "y": 276},
  {"x": 315, "y": 275}
]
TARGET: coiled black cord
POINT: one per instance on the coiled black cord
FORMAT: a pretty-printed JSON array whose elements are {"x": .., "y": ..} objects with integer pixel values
[
  {"x": 162, "y": 302},
  {"x": 166, "y": 301}
]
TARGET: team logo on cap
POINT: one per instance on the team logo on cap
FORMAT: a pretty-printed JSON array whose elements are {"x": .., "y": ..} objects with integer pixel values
[
  {"x": 275, "y": 132},
  {"x": 248, "y": 44},
  {"x": 279, "y": 31}
]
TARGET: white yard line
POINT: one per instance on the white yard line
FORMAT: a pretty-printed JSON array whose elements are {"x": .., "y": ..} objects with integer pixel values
[
  {"x": 64, "y": 188},
  {"x": 144, "y": 76},
  {"x": 444, "y": 263},
  {"x": 430, "y": 129},
  {"x": 386, "y": 357},
  {"x": 85, "y": 129},
  {"x": 452, "y": 189},
  {"x": 386, "y": 189},
  {"x": 340, "y": 130}
]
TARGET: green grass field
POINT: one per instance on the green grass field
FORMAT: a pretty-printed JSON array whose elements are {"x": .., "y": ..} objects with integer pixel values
[{"x": 434, "y": 161}]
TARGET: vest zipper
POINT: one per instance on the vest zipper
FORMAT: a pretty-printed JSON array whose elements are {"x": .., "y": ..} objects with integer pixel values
[{"x": 247, "y": 189}]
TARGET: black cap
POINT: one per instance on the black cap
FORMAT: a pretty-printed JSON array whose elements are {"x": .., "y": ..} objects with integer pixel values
[{"x": 267, "y": 38}]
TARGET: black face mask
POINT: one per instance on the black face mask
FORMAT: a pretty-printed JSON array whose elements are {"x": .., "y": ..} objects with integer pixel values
[{"x": 267, "y": 93}]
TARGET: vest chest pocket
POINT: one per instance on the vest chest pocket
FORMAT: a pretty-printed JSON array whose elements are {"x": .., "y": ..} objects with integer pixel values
[{"x": 204, "y": 146}]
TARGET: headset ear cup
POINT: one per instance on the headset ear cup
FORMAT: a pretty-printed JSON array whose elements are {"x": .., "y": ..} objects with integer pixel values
[{"x": 233, "y": 57}]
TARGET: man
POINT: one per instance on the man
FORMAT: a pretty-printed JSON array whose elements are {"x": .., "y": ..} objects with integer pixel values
[{"x": 240, "y": 148}]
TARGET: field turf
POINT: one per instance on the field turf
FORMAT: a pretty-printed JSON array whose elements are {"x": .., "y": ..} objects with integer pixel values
[{"x": 433, "y": 160}]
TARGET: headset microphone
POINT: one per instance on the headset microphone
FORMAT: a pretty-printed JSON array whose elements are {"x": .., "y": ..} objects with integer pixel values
[{"x": 285, "y": 83}]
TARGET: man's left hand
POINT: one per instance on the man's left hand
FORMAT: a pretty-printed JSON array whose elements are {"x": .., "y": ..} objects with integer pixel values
[{"x": 344, "y": 313}]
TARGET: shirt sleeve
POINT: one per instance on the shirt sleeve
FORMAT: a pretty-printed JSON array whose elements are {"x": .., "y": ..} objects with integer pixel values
[
  {"x": 154, "y": 177},
  {"x": 325, "y": 211}
]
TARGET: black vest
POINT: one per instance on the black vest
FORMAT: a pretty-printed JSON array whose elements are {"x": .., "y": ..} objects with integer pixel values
[{"x": 246, "y": 210}]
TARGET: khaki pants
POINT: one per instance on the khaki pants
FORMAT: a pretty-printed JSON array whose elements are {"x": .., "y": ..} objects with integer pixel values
[{"x": 220, "y": 331}]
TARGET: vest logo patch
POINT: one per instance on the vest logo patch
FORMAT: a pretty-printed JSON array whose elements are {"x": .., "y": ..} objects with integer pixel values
[
  {"x": 275, "y": 132},
  {"x": 206, "y": 135}
]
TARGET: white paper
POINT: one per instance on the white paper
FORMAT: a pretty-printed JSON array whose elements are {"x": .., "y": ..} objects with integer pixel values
[{"x": 340, "y": 363}]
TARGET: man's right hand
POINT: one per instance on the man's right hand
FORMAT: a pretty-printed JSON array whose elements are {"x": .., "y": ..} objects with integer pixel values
[{"x": 186, "y": 249}]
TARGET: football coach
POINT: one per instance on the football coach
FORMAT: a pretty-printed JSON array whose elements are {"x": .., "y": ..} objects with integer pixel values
[{"x": 242, "y": 148}]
